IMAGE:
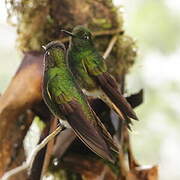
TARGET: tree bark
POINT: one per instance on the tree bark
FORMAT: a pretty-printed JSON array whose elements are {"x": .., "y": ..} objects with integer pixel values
[{"x": 22, "y": 93}]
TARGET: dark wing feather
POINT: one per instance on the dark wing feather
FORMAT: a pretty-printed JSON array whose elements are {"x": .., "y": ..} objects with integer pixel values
[
  {"x": 136, "y": 99},
  {"x": 85, "y": 130},
  {"x": 63, "y": 141},
  {"x": 106, "y": 134},
  {"x": 109, "y": 86}
]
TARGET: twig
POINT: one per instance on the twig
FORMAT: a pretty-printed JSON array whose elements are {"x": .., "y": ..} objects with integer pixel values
[
  {"x": 133, "y": 164},
  {"x": 28, "y": 163},
  {"x": 122, "y": 160},
  {"x": 35, "y": 171},
  {"x": 110, "y": 46},
  {"x": 49, "y": 148},
  {"x": 108, "y": 32},
  {"x": 99, "y": 33}
]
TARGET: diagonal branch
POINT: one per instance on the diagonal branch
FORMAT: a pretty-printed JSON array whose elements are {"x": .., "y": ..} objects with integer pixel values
[
  {"x": 28, "y": 163},
  {"x": 49, "y": 149},
  {"x": 110, "y": 46},
  {"x": 99, "y": 33}
]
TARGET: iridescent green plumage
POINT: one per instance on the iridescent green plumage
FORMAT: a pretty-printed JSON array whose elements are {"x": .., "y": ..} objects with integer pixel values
[
  {"x": 90, "y": 70},
  {"x": 66, "y": 101}
]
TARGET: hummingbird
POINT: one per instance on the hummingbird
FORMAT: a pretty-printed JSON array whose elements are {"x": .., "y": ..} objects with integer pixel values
[
  {"x": 67, "y": 102},
  {"x": 90, "y": 70}
]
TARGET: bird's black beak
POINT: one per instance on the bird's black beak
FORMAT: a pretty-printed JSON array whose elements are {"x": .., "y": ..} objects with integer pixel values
[{"x": 68, "y": 33}]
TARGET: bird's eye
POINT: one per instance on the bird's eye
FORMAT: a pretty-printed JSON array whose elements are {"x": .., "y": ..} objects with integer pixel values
[{"x": 86, "y": 37}]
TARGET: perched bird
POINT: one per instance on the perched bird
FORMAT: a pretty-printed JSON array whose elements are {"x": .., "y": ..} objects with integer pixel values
[
  {"x": 90, "y": 70},
  {"x": 67, "y": 102}
]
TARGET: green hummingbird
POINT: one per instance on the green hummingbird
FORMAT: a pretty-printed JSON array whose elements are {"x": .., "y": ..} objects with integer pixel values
[
  {"x": 67, "y": 102},
  {"x": 90, "y": 70}
]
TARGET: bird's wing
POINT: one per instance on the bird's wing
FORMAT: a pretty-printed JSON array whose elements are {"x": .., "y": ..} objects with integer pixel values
[
  {"x": 85, "y": 130},
  {"x": 98, "y": 71},
  {"x": 47, "y": 97},
  {"x": 83, "y": 127},
  {"x": 109, "y": 86},
  {"x": 94, "y": 64}
]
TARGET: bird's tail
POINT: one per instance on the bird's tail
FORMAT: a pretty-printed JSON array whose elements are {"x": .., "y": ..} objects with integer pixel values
[
  {"x": 124, "y": 118},
  {"x": 113, "y": 97}
]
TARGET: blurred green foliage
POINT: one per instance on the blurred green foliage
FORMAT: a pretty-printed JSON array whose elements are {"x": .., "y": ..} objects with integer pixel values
[
  {"x": 155, "y": 138},
  {"x": 156, "y": 25}
]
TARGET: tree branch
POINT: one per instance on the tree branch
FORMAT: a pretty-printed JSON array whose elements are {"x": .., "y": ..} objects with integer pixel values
[
  {"x": 99, "y": 33},
  {"x": 110, "y": 46},
  {"x": 28, "y": 163},
  {"x": 49, "y": 149}
]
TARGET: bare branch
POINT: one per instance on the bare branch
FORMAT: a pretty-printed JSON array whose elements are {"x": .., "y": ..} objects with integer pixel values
[
  {"x": 108, "y": 32},
  {"x": 99, "y": 33},
  {"x": 49, "y": 149},
  {"x": 28, "y": 163},
  {"x": 110, "y": 46}
]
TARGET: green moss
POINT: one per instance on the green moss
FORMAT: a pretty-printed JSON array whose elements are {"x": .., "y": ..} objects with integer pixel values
[
  {"x": 102, "y": 22},
  {"x": 39, "y": 123},
  {"x": 123, "y": 56},
  {"x": 39, "y": 21}
]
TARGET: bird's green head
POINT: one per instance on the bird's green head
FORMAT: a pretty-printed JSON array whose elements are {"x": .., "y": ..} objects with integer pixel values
[
  {"x": 55, "y": 53},
  {"x": 81, "y": 36}
]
